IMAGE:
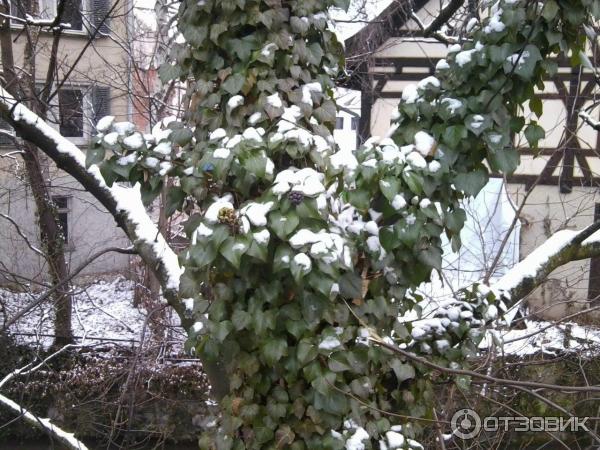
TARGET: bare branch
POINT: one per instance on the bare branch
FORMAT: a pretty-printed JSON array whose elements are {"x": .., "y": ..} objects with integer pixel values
[
  {"x": 23, "y": 235},
  {"x": 124, "y": 203}
]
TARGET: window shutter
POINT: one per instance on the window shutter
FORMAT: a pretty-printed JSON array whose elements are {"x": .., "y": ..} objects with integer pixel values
[
  {"x": 99, "y": 11},
  {"x": 100, "y": 102}
]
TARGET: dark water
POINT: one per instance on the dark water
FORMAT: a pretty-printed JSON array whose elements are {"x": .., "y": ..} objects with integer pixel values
[{"x": 46, "y": 445}]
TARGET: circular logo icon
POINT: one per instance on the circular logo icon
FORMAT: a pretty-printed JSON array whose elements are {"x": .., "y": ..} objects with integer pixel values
[{"x": 465, "y": 424}]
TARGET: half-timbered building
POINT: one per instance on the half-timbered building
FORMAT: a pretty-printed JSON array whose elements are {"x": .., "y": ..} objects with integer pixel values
[{"x": 554, "y": 187}]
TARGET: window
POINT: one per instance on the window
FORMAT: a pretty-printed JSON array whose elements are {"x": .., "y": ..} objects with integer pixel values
[
  {"x": 62, "y": 209},
  {"x": 70, "y": 112},
  {"x": 75, "y": 13},
  {"x": 354, "y": 124},
  {"x": 339, "y": 123},
  {"x": 73, "y": 112}
]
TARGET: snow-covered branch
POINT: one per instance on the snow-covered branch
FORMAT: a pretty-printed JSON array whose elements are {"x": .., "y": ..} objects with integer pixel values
[
  {"x": 124, "y": 203},
  {"x": 561, "y": 248},
  {"x": 65, "y": 438},
  {"x": 433, "y": 29},
  {"x": 68, "y": 439}
]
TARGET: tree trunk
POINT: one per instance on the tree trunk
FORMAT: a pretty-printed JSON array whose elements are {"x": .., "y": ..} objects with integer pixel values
[
  {"x": 53, "y": 243},
  {"x": 50, "y": 232}
]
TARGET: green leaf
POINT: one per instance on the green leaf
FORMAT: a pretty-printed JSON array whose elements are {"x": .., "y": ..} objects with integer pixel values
[
  {"x": 241, "y": 319},
  {"x": 283, "y": 224},
  {"x": 389, "y": 187},
  {"x": 432, "y": 257},
  {"x": 149, "y": 192},
  {"x": 298, "y": 268},
  {"x": 284, "y": 436},
  {"x": 549, "y": 10},
  {"x": 478, "y": 123},
  {"x": 306, "y": 352},
  {"x": 338, "y": 362},
  {"x": 181, "y": 136},
  {"x": 403, "y": 371},
  {"x": 455, "y": 219},
  {"x": 259, "y": 251},
  {"x": 233, "y": 249},
  {"x": 203, "y": 255},
  {"x": 274, "y": 350},
  {"x": 217, "y": 30},
  {"x": 175, "y": 198},
  {"x": 283, "y": 258},
  {"x": 536, "y": 105},
  {"x": 95, "y": 155},
  {"x": 350, "y": 285},
  {"x": 533, "y": 133},
  {"x": 168, "y": 72},
  {"x": 504, "y": 160},
  {"x": 524, "y": 63},
  {"x": 222, "y": 330},
  {"x": 388, "y": 238},
  {"x": 453, "y": 135},
  {"x": 471, "y": 183},
  {"x": 233, "y": 84}
]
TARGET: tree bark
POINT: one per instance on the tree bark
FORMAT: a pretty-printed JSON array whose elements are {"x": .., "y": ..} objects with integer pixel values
[
  {"x": 53, "y": 245},
  {"x": 49, "y": 229}
]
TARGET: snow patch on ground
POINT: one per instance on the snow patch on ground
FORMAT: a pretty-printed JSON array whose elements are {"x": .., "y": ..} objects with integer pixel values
[{"x": 103, "y": 309}]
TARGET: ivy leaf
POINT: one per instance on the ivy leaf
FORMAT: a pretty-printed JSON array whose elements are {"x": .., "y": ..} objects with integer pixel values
[
  {"x": 403, "y": 371},
  {"x": 389, "y": 187},
  {"x": 504, "y": 160},
  {"x": 351, "y": 285},
  {"x": 535, "y": 105},
  {"x": 432, "y": 257},
  {"x": 95, "y": 155},
  {"x": 455, "y": 220},
  {"x": 453, "y": 135},
  {"x": 283, "y": 257},
  {"x": 306, "y": 352},
  {"x": 274, "y": 350},
  {"x": 222, "y": 330},
  {"x": 241, "y": 319},
  {"x": 342, "y": 4},
  {"x": 523, "y": 63},
  {"x": 233, "y": 84},
  {"x": 299, "y": 269},
  {"x": 217, "y": 30},
  {"x": 175, "y": 198},
  {"x": 283, "y": 224},
  {"x": 533, "y": 134},
  {"x": 471, "y": 183},
  {"x": 203, "y": 255},
  {"x": 255, "y": 164},
  {"x": 233, "y": 249},
  {"x": 388, "y": 238},
  {"x": 284, "y": 436},
  {"x": 549, "y": 10},
  {"x": 168, "y": 72},
  {"x": 258, "y": 251},
  {"x": 181, "y": 136},
  {"x": 478, "y": 123}
]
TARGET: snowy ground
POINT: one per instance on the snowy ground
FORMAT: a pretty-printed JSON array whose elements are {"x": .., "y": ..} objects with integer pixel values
[
  {"x": 547, "y": 338},
  {"x": 103, "y": 309}
]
